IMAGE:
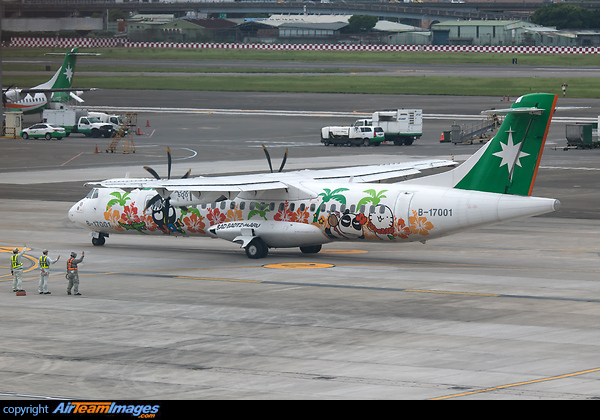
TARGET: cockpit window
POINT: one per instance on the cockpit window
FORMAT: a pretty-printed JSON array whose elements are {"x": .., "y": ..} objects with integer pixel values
[{"x": 93, "y": 193}]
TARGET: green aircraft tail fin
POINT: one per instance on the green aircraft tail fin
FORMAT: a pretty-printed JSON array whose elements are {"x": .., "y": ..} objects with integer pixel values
[
  {"x": 508, "y": 163},
  {"x": 66, "y": 72},
  {"x": 63, "y": 78}
]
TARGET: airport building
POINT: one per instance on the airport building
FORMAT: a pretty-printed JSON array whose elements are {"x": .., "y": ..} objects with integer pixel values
[
  {"x": 507, "y": 33},
  {"x": 315, "y": 29}
]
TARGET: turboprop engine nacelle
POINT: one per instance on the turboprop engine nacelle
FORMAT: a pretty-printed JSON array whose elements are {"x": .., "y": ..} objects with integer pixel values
[{"x": 275, "y": 234}]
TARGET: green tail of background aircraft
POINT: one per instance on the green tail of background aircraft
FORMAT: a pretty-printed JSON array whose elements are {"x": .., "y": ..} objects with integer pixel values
[{"x": 59, "y": 88}]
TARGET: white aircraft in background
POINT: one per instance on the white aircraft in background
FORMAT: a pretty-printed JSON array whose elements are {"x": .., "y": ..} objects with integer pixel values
[
  {"x": 35, "y": 100},
  {"x": 309, "y": 208}
]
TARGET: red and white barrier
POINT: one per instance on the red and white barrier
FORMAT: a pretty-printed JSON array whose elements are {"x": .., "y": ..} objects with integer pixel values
[{"x": 112, "y": 42}]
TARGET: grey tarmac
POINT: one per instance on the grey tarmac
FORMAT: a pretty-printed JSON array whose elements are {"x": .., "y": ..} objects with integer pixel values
[{"x": 510, "y": 311}]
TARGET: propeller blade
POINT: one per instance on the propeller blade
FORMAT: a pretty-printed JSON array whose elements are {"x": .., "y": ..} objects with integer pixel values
[
  {"x": 268, "y": 157},
  {"x": 152, "y": 201},
  {"x": 4, "y": 99},
  {"x": 169, "y": 161},
  {"x": 4, "y": 96},
  {"x": 152, "y": 171},
  {"x": 284, "y": 160},
  {"x": 155, "y": 175}
]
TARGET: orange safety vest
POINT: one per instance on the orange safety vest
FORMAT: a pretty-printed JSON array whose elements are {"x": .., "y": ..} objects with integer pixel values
[{"x": 69, "y": 267}]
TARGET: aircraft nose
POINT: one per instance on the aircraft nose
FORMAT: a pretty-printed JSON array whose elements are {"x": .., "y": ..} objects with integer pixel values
[{"x": 74, "y": 210}]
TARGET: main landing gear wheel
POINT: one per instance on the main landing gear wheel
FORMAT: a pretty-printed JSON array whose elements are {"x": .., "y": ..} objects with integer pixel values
[
  {"x": 310, "y": 249},
  {"x": 257, "y": 249}
]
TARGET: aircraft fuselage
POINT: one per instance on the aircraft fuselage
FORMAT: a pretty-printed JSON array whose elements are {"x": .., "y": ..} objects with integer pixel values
[
  {"x": 361, "y": 212},
  {"x": 29, "y": 104}
]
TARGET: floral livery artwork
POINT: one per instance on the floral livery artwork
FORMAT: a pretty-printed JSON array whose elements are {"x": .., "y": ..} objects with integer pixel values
[
  {"x": 376, "y": 222},
  {"x": 372, "y": 221}
]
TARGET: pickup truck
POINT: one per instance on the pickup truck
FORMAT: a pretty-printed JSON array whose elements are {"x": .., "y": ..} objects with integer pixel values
[{"x": 352, "y": 135}]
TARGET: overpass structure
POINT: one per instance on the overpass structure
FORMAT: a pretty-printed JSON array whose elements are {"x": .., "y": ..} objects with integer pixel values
[{"x": 425, "y": 11}]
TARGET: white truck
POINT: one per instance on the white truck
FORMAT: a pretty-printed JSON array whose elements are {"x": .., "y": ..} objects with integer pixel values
[
  {"x": 115, "y": 120},
  {"x": 78, "y": 121},
  {"x": 352, "y": 135},
  {"x": 402, "y": 126}
]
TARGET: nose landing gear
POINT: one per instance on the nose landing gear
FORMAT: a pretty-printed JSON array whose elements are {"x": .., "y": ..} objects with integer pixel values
[{"x": 100, "y": 239}]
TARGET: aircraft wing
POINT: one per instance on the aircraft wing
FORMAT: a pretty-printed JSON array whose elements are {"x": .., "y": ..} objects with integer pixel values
[
  {"x": 278, "y": 180},
  {"x": 237, "y": 183},
  {"x": 50, "y": 90},
  {"x": 373, "y": 173}
]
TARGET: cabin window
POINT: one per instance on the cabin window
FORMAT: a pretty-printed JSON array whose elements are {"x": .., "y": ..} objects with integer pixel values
[
  {"x": 232, "y": 205},
  {"x": 352, "y": 208},
  {"x": 292, "y": 206},
  {"x": 332, "y": 208},
  {"x": 313, "y": 208},
  {"x": 323, "y": 207},
  {"x": 362, "y": 208},
  {"x": 223, "y": 204},
  {"x": 372, "y": 209},
  {"x": 281, "y": 206},
  {"x": 342, "y": 208},
  {"x": 381, "y": 209},
  {"x": 272, "y": 206},
  {"x": 242, "y": 205}
]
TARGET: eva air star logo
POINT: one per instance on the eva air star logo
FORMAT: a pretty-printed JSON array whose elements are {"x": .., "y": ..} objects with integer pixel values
[
  {"x": 511, "y": 153},
  {"x": 69, "y": 73}
]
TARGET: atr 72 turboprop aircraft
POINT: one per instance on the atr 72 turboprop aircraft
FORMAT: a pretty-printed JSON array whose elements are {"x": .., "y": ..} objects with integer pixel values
[
  {"x": 34, "y": 100},
  {"x": 309, "y": 208}
]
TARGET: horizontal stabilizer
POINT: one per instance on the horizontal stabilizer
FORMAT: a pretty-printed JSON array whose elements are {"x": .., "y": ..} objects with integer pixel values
[{"x": 529, "y": 110}]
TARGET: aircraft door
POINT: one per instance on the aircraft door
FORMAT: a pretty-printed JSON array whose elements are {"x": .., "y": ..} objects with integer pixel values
[{"x": 402, "y": 215}]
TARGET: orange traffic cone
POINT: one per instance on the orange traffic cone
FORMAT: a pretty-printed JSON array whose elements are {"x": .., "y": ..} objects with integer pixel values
[
  {"x": 96, "y": 151},
  {"x": 442, "y": 138},
  {"x": 147, "y": 123}
]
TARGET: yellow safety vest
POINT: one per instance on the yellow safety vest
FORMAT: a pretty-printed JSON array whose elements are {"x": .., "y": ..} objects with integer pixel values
[
  {"x": 14, "y": 259},
  {"x": 44, "y": 262}
]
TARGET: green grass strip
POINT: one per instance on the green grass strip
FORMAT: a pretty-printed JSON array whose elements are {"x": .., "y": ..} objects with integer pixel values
[{"x": 399, "y": 85}]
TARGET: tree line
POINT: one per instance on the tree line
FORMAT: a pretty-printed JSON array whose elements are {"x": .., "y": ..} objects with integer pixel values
[{"x": 566, "y": 16}]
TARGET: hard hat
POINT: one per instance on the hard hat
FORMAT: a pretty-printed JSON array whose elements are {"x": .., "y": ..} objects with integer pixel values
[
  {"x": 45, "y": 251},
  {"x": 15, "y": 250},
  {"x": 73, "y": 254}
]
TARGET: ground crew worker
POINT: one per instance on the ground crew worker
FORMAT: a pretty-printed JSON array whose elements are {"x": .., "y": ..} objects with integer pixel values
[
  {"x": 73, "y": 274},
  {"x": 16, "y": 268},
  {"x": 45, "y": 262}
]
